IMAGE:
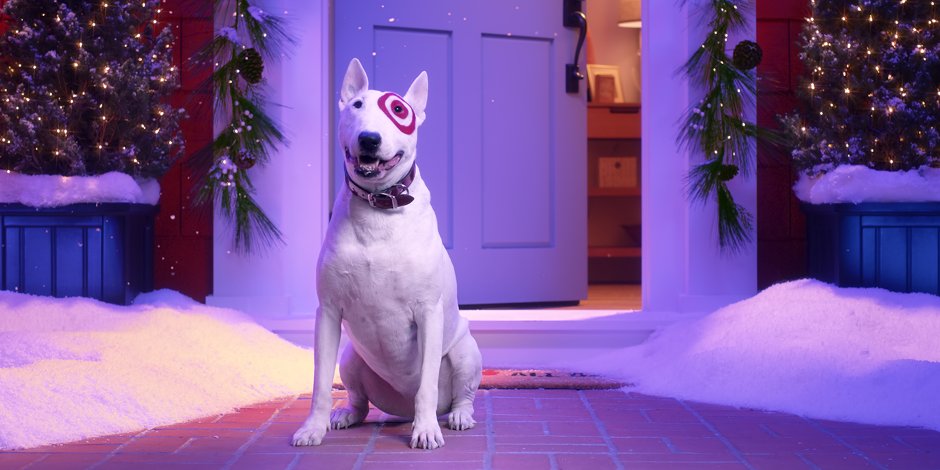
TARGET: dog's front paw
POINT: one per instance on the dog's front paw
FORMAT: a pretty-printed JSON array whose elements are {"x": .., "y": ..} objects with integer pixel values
[
  {"x": 461, "y": 418},
  {"x": 345, "y": 417},
  {"x": 308, "y": 436},
  {"x": 426, "y": 435}
]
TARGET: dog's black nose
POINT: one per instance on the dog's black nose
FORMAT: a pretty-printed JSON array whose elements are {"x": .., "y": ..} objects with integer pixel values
[{"x": 369, "y": 141}]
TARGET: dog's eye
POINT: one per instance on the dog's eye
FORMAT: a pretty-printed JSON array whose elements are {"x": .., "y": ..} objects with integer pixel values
[
  {"x": 399, "y": 109},
  {"x": 357, "y": 104}
]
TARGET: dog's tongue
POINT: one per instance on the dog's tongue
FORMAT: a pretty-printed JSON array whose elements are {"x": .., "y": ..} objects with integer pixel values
[{"x": 391, "y": 163}]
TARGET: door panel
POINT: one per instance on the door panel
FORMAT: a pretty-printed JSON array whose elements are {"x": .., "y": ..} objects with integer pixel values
[
  {"x": 516, "y": 151},
  {"x": 503, "y": 148},
  {"x": 401, "y": 53}
]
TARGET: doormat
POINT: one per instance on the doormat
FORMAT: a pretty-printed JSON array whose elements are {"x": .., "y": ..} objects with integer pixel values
[
  {"x": 546, "y": 378},
  {"x": 536, "y": 378}
]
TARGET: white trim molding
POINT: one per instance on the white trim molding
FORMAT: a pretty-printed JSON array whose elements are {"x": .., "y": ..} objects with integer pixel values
[
  {"x": 682, "y": 268},
  {"x": 294, "y": 187}
]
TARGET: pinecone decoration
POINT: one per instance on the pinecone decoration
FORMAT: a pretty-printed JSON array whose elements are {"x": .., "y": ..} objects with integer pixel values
[
  {"x": 727, "y": 172},
  {"x": 251, "y": 65},
  {"x": 747, "y": 55},
  {"x": 245, "y": 160}
]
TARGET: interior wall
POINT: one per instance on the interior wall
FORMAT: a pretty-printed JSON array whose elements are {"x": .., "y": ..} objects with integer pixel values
[{"x": 612, "y": 45}]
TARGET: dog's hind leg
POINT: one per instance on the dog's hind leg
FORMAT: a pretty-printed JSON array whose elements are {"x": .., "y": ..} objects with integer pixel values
[
  {"x": 351, "y": 368},
  {"x": 467, "y": 366}
]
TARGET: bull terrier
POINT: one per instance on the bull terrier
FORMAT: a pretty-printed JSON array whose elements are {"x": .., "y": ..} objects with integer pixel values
[{"x": 385, "y": 277}]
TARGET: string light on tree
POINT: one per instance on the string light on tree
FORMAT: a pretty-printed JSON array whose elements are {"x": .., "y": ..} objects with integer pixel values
[
  {"x": 889, "y": 74},
  {"x": 65, "y": 111}
]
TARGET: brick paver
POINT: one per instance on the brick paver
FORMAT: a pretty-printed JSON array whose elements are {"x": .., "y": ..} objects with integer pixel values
[{"x": 517, "y": 429}]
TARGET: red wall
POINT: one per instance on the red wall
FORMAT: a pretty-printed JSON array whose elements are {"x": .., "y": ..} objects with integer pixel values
[
  {"x": 781, "y": 245},
  {"x": 184, "y": 234}
]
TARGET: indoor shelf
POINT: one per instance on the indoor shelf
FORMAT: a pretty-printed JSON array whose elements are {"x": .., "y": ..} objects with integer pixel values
[
  {"x": 613, "y": 252},
  {"x": 613, "y": 192}
]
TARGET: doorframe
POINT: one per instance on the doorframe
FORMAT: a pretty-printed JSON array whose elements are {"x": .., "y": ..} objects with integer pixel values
[
  {"x": 294, "y": 187},
  {"x": 682, "y": 269}
]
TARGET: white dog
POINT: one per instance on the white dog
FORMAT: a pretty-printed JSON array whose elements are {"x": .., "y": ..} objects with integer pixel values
[{"x": 385, "y": 276}]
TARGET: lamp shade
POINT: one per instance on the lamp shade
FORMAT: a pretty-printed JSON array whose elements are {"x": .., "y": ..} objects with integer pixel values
[{"x": 629, "y": 14}]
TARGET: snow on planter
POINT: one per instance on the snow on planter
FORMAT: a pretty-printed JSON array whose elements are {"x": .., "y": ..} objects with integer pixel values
[
  {"x": 57, "y": 191},
  {"x": 858, "y": 183},
  {"x": 77, "y": 368},
  {"x": 802, "y": 347}
]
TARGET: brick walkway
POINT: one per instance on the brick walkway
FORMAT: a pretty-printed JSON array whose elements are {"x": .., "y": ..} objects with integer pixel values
[{"x": 517, "y": 429}]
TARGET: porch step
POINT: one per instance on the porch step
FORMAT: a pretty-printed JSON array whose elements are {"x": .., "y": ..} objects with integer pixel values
[{"x": 530, "y": 338}]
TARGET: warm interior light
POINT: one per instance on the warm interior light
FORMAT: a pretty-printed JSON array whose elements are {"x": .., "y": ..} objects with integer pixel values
[{"x": 629, "y": 14}]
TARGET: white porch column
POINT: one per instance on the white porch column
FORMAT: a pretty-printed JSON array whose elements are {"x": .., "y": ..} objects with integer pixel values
[
  {"x": 293, "y": 188},
  {"x": 683, "y": 269}
]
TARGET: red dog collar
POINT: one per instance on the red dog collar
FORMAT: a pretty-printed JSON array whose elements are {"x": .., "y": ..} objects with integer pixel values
[{"x": 392, "y": 197}]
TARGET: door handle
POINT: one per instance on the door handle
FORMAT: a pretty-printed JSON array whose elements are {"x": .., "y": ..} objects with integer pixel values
[{"x": 574, "y": 18}]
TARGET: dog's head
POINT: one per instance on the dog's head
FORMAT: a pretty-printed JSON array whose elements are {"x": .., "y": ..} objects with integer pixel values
[{"x": 379, "y": 130}]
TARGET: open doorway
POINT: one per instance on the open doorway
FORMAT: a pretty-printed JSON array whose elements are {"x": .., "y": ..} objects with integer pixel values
[
  {"x": 503, "y": 147},
  {"x": 613, "y": 156}
]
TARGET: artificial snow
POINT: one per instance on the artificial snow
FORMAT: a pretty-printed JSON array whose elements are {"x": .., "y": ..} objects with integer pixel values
[
  {"x": 56, "y": 191},
  {"x": 77, "y": 368},
  {"x": 803, "y": 347},
  {"x": 858, "y": 183}
]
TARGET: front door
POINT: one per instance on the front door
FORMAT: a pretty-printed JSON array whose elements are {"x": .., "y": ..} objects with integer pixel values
[{"x": 503, "y": 149}]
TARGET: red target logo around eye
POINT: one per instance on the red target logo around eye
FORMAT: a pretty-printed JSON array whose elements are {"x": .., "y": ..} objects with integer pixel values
[{"x": 398, "y": 111}]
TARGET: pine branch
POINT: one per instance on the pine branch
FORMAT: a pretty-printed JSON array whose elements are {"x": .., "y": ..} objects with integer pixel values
[
  {"x": 716, "y": 128},
  {"x": 735, "y": 223},
  {"x": 269, "y": 33},
  {"x": 252, "y": 135},
  {"x": 238, "y": 207}
]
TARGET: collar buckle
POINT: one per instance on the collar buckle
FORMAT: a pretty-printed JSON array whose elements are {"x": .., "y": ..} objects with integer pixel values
[
  {"x": 391, "y": 194},
  {"x": 392, "y": 197}
]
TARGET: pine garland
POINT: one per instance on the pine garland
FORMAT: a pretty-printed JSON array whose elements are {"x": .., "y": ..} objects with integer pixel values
[
  {"x": 716, "y": 126},
  {"x": 252, "y": 36}
]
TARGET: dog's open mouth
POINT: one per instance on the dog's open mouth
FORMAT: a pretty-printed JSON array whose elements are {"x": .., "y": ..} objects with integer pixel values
[{"x": 371, "y": 165}]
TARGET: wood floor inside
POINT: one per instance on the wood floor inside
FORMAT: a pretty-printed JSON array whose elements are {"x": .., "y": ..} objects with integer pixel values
[{"x": 610, "y": 297}]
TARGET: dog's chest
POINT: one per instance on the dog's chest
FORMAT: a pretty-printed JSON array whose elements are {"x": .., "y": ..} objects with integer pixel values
[
  {"x": 381, "y": 270},
  {"x": 381, "y": 259}
]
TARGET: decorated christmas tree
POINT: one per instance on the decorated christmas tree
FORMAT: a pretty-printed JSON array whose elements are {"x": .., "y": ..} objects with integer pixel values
[
  {"x": 84, "y": 86},
  {"x": 871, "y": 86}
]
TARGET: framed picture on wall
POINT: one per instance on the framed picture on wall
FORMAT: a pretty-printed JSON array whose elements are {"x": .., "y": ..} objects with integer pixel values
[{"x": 604, "y": 83}]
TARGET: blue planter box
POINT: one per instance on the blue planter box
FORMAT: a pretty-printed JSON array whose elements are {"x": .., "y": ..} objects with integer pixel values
[
  {"x": 102, "y": 251},
  {"x": 891, "y": 245}
]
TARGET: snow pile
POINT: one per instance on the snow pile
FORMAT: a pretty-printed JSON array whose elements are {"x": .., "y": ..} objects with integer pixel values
[
  {"x": 858, "y": 183},
  {"x": 76, "y": 368},
  {"x": 803, "y": 347},
  {"x": 55, "y": 191}
]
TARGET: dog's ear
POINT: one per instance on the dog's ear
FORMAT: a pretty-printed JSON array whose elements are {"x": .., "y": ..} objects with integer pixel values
[
  {"x": 355, "y": 82},
  {"x": 417, "y": 96}
]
